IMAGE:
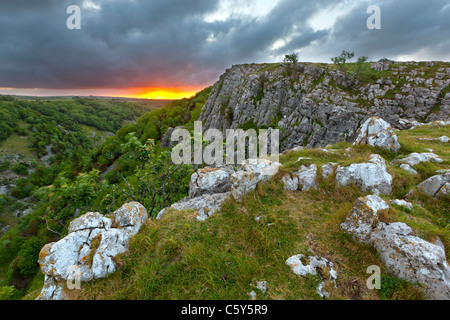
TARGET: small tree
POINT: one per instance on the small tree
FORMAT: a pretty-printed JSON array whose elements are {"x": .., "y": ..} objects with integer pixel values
[
  {"x": 359, "y": 68},
  {"x": 292, "y": 61},
  {"x": 291, "y": 58},
  {"x": 340, "y": 61},
  {"x": 158, "y": 182}
]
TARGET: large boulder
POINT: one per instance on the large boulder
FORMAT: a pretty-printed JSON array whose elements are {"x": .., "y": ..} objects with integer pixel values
[
  {"x": 249, "y": 174},
  {"x": 436, "y": 186},
  {"x": 404, "y": 255},
  {"x": 210, "y": 181},
  {"x": 87, "y": 252},
  {"x": 363, "y": 217},
  {"x": 205, "y": 205},
  {"x": 367, "y": 176},
  {"x": 377, "y": 133},
  {"x": 413, "y": 259},
  {"x": 305, "y": 177}
]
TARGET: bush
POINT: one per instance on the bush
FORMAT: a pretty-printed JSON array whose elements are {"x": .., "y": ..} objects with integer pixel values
[
  {"x": 4, "y": 166},
  {"x": 21, "y": 168},
  {"x": 8, "y": 293},
  {"x": 24, "y": 189},
  {"x": 4, "y": 200},
  {"x": 27, "y": 258}
]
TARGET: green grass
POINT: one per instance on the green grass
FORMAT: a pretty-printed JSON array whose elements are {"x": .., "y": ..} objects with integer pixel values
[{"x": 16, "y": 144}]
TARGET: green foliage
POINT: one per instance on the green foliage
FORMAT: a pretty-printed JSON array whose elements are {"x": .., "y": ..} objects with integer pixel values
[
  {"x": 4, "y": 200},
  {"x": 27, "y": 257},
  {"x": 341, "y": 60},
  {"x": 21, "y": 168},
  {"x": 4, "y": 165},
  {"x": 8, "y": 293},
  {"x": 157, "y": 182},
  {"x": 291, "y": 58},
  {"x": 23, "y": 188},
  {"x": 6, "y": 98}
]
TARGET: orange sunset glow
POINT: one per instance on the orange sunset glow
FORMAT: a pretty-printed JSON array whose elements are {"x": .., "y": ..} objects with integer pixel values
[{"x": 164, "y": 93}]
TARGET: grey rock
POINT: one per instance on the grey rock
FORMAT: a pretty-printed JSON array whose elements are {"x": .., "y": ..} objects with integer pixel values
[
  {"x": 416, "y": 158},
  {"x": 413, "y": 259},
  {"x": 436, "y": 186},
  {"x": 377, "y": 133},
  {"x": 307, "y": 177},
  {"x": 206, "y": 205},
  {"x": 408, "y": 168},
  {"x": 402, "y": 203},
  {"x": 209, "y": 181}
]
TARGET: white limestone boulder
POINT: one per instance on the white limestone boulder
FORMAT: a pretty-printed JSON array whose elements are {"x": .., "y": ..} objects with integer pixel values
[
  {"x": 209, "y": 181},
  {"x": 367, "y": 176},
  {"x": 416, "y": 158},
  {"x": 88, "y": 250},
  {"x": 363, "y": 217},
  {"x": 249, "y": 174},
  {"x": 304, "y": 178},
  {"x": 205, "y": 205},
  {"x": 408, "y": 168},
  {"x": 307, "y": 177},
  {"x": 404, "y": 255},
  {"x": 377, "y": 133},
  {"x": 290, "y": 182},
  {"x": 413, "y": 259}
]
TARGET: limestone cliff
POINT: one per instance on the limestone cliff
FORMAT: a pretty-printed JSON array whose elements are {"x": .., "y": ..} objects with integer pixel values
[{"x": 315, "y": 104}]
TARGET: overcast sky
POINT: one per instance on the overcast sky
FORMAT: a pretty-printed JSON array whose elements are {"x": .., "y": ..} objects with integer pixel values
[{"x": 125, "y": 46}]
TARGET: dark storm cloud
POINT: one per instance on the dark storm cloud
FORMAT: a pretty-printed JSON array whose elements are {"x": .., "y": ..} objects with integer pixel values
[
  {"x": 169, "y": 43},
  {"x": 407, "y": 27}
]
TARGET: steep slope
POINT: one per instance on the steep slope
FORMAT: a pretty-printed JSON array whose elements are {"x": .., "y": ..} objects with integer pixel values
[{"x": 316, "y": 104}]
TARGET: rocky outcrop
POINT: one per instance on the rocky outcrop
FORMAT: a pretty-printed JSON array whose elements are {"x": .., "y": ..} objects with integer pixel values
[
  {"x": 205, "y": 205},
  {"x": 413, "y": 259},
  {"x": 317, "y": 106},
  {"x": 210, "y": 181},
  {"x": 249, "y": 174},
  {"x": 363, "y": 217},
  {"x": 209, "y": 187},
  {"x": 304, "y": 179},
  {"x": 87, "y": 252},
  {"x": 376, "y": 132},
  {"x": 404, "y": 255},
  {"x": 367, "y": 176}
]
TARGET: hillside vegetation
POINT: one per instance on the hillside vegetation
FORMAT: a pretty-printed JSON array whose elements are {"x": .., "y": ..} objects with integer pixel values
[
  {"x": 179, "y": 257},
  {"x": 69, "y": 171}
]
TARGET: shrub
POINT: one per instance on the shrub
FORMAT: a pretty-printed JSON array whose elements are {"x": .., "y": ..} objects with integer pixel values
[
  {"x": 8, "y": 293},
  {"x": 27, "y": 258},
  {"x": 21, "y": 168},
  {"x": 4, "y": 166}
]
